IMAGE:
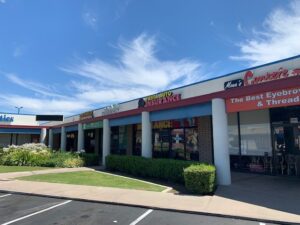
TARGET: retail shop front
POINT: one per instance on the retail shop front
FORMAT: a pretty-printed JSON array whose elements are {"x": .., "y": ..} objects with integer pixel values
[
  {"x": 18, "y": 129},
  {"x": 93, "y": 137},
  {"x": 264, "y": 129},
  {"x": 183, "y": 133}
]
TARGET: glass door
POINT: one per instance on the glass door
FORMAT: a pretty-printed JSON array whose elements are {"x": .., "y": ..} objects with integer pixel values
[{"x": 286, "y": 149}]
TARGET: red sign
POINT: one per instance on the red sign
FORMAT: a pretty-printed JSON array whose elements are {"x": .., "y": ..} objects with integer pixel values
[
  {"x": 265, "y": 100},
  {"x": 281, "y": 73}
]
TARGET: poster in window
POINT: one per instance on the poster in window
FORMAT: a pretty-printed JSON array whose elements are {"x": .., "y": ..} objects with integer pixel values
[{"x": 178, "y": 143}]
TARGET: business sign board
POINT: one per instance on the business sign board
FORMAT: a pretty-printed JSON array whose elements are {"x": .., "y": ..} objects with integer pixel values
[
  {"x": 265, "y": 100},
  {"x": 49, "y": 118},
  {"x": 111, "y": 109},
  {"x": 93, "y": 125},
  {"x": 250, "y": 78},
  {"x": 5, "y": 118},
  {"x": 233, "y": 84},
  {"x": 86, "y": 115},
  {"x": 159, "y": 99}
]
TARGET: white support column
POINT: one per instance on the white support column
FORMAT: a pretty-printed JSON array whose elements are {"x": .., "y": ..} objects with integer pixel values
[
  {"x": 146, "y": 135},
  {"x": 43, "y": 135},
  {"x": 220, "y": 136},
  {"x": 106, "y": 140},
  {"x": 63, "y": 139},
  {"x": 50, "y": 140},
  {"x": 80, "y": 138}
]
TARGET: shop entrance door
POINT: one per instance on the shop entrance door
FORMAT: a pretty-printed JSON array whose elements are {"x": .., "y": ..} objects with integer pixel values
[{"x": 286, "y": 145}]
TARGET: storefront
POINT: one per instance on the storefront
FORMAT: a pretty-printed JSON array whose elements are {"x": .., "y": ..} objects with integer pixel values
[
  {"x": 18, "y": 129},
  {"x": 246, "y": 121},
  {"x": 93, "y": 137}
]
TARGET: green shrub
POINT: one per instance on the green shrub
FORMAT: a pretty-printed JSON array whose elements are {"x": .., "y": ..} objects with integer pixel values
[
  {"x": 90, "y": 159},
  {"x": 38, "y": 155},
  {"x": 200, "y": 179},
  {"x": 73, "y": 162},
  {"x": 165, "y": 169}
]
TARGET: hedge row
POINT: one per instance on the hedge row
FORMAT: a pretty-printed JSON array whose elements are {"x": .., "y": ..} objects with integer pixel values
[{"x": 198, "y": 177}]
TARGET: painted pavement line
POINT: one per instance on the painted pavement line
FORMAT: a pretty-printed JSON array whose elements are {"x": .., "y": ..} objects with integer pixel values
[
  {"x": 35, "y": 213},
  {"x": 262, "y": 224},
  {"x": 2, "y": 196},
  {"x": 142, "y": 217}
]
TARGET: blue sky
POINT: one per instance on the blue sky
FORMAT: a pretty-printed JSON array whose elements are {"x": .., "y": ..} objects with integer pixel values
[{"x": 66, "y": 56}]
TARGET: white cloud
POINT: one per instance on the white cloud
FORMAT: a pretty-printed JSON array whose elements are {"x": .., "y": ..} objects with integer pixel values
[
  {"x": 137, "y": 68},
  {"x": 33, "y": 86},
  {"x": 44, "y": 105},
  {"x": 136, "y": 72},
  {"x": 18, "y": 51},
  {"x": 279, "y": 37},
  {"x": 90, "y": 19}
]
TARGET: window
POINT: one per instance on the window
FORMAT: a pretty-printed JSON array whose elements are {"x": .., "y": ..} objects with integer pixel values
[
  {"x": 233, "y": 134},
  {"x": 255, "y": 133},
  {"x": 177, "y": 136},
  {"x": 191, "y": 143}
]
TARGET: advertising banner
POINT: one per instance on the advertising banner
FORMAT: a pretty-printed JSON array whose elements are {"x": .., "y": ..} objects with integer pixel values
[{"x": 265, "y": 100}]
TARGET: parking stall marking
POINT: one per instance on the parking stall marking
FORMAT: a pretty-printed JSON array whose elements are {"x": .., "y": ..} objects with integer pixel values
[
  {"x": 35, "y": 213},
  {"x": 142, "y": 217},
  {"x": 2, "y": 196}
]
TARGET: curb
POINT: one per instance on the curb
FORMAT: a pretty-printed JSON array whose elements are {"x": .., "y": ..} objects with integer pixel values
[{"x": 157, "y": 208}]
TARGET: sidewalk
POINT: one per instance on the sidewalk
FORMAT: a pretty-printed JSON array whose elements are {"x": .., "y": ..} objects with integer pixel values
[
  {"x": 224, "y": 202},
  {"x": 12, "y": 175}
]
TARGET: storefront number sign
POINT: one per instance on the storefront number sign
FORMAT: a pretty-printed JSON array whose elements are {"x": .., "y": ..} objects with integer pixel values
[
  {"x": 159, "y": 99},
  {"x": 270, "y": 99}
]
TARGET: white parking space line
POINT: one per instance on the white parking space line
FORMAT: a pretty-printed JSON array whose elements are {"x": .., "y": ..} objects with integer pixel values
[
  {"x": 2, "y": 196},
  {"x": 262, "y": 224},
  {"x": 38, "y": 212},
  {"x": 141, "y": 217}
]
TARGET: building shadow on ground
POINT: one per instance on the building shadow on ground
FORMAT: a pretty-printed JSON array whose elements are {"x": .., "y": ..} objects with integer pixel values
[{"x": 274, "y": 192}]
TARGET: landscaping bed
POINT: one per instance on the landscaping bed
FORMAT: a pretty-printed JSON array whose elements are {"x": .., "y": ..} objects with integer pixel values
[
  {"x": 40, "y": 155},
  {"x": 198, "y": 178},
  {"x": 92, "y": 178}
]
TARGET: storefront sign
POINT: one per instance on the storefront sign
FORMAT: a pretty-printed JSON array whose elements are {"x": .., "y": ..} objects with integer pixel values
[
  {"x": 233, "y": 84},
  {"x": 174, "y": 123},
  {"x": 270, "y": 99},
  {"x": 94, "y": 125},
  {"x": 159, "y": 99},
  {"x": 111, "y": 109},
  {"x": 86, "y": 115},
  {"x": 8, "y": 119},
  {"x": 251, "y": 79},
  {"x": 281, "y": 73}
]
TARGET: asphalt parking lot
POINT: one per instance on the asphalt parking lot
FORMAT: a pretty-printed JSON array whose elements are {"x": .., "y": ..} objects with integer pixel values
[{"x": 25, "y": 209}]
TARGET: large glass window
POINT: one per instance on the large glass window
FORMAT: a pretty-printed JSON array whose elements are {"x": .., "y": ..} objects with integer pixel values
[
  {"x": 233, "y": 134},
  {"x": 191, "y": 140},
  {"x": 255, "y": 133},
  {"x": 161, "y": 143}
]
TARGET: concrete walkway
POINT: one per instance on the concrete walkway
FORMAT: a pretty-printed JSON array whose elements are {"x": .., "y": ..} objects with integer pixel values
[
  {"x": 230, "y": 201},
  {"x": 12, "y": 175}
]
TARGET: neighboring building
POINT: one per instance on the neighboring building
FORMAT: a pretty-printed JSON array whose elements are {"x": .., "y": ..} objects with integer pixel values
[
  {"x": 17, "y": 129},
  {"x": 247, "y": 121}
]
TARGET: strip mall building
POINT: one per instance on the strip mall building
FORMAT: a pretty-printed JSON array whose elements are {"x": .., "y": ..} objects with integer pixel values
[{"x": 245, "y": 121}]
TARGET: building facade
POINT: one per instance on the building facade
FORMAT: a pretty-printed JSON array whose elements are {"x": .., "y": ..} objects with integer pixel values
[
  {"x": 17, "y": 129},
  {"x": 245, "y": 121}
]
